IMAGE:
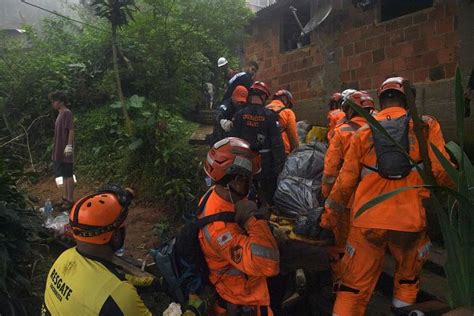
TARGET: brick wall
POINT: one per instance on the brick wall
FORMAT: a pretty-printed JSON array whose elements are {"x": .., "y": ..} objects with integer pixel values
[{"x": 350, "y": 49}]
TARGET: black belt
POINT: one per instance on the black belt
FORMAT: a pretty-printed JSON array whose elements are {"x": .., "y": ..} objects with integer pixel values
[{"x": 240, "y": 310}]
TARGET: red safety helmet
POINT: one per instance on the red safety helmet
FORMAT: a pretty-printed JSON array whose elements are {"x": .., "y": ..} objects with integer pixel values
[
  {"x": 393, "y": 83},
  {"x": 95, "y": 217},
  {"x": 284, "y": 93},
  {"x": 362, "y": 99},
  {"x": 334, "y": 100},
  {"x": 259, "y": 88},
  {"x": 231, "y": 156}
]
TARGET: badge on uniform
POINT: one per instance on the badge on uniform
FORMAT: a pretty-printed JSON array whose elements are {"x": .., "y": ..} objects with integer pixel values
[
  {"x": 236, "y": 253},
  {"x": 224, "y": 238},
  {"x": 223, "y": 107}
]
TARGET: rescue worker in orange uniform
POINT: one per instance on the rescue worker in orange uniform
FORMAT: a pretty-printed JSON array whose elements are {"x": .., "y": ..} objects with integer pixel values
[
  {"x": 241, "y": 255},
  {"x": 335, "y": 115},
  {"x": 372, "y": 167},
  {"x": 282, "y": 104},
  {"x": 333, "y": 161}
]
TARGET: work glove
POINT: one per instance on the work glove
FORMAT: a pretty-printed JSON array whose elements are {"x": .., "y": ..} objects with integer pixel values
[
  {"x": 226, "y": 125},
  {"x": 68, "y": 151},
  {"x": 244, "y": 210}
]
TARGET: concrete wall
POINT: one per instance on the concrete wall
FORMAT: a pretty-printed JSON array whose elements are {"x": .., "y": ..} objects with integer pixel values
[
  {"x": 352, "y": 49},
  {"x": 14, "y": 13}
]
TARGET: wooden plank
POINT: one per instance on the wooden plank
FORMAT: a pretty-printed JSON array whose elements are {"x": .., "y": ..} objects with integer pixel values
[
  {"x": 199, "y": 135},
  {"x": 130, "y": 268}
]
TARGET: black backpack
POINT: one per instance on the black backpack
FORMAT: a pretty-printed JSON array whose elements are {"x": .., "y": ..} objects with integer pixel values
[
  {"x": 181, "y": 260},
  {"x": 392, "y": 163}
]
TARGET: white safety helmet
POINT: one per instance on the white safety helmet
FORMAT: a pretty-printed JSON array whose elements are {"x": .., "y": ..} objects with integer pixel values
[
  {"x": 222, "y": 62},
  {"x": 346, "y": 93}
]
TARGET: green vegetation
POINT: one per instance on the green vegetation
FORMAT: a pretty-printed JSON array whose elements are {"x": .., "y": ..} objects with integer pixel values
[
  {"x": 457, "y": 219},
  {"x": 19, "y": 228}
]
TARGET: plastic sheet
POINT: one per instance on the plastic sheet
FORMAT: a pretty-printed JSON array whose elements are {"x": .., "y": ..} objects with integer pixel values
[
  {"x": 303, "y": 128},
  {"x": 58, "y": 223},
  {"x": 299, "y": 185}
]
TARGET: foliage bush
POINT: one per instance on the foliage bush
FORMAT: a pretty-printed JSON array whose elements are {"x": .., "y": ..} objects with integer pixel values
[
  {"x": 156, "y": 159},
  {"x": 19, "y": 228}
]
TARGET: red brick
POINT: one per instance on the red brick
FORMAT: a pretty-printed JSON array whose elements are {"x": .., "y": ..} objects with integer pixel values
[
  {"x": 450, "y": 70},
  {"x": 397, "y": 37},
  {"x": 450, "y": 40},
  {"x": 392, "y": 26},
  {"x": 406, "y": 21},
  {"x": 408, "y": 74},
  {"x": 361, "y": 73},
  {"x": 365, "y": 84},
  {"x": 354, "y": 62},
  {"x": 348, "y": 50},
  {"x": 318, "y": 59},
  {"x": 385, "y": 68},
  {"x": 344, "y": 64},
  {"x": 445, "y": 25},
  {"x": 430, "y": 59},
  {"x": 437, "y": 13},
  {"x": 394, "y": 51},
  {"x": 412, "y": 33},
  {"x": 353, "y": 75},
  {"x": 420, "y": 17},
  {"x": 406, "y": 49},
  {"x": 378, "y": 55},
  {"x": 371, "y": 44},
  {"x": 420, "y": 46},
  {"x": 414, "y": 62},
  {"x": 359, "y": 47},
  {"x": 427, "y": 28},
  {"x": 346, "y": 76},
  {"x": 446, "y": 55},
  {"x": 421, "y": 75},
  {"x": 451, "y": 8},
  {"x": 399, "y": 64},
  {"x": 435, "y": 43},
  {"x": 366, "y": 58}
]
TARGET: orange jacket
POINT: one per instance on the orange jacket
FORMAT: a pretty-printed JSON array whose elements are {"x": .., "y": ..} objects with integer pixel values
[
  {"x": 335, "y": 117},
  {"x": 337, "y": 150},
  {"x": 287, "y": 121},
  {"x": 402, "y": 212},
  {"x": 239, "y": 261}
]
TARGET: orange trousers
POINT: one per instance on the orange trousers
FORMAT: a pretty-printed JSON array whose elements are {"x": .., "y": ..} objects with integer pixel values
[
  {"x": 220, "y": 311},
  {"x": 363, "y": 263},
  {"x": 336, "y": 252}
]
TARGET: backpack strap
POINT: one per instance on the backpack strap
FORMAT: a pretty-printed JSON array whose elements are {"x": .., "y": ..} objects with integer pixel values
[
  {"x": 226, "y": 217},
  {"x": 202, "y": 204}
]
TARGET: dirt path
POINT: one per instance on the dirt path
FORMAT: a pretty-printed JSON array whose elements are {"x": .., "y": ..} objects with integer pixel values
[{"x": 140, "y": 221}]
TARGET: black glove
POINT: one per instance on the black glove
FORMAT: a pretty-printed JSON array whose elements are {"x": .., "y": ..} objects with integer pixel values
[{"x": 244, "y": 210}]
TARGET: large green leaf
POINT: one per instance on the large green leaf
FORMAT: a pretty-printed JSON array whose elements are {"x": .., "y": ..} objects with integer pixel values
[{"x": 456, "y": 151}]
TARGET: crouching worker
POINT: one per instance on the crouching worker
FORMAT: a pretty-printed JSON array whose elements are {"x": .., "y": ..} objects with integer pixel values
[
  {"x": 241, "y": 255},
  {"x": 83, "y": 280}
]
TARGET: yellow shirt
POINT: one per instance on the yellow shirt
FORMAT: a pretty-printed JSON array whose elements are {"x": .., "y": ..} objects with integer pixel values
[{"x": 81, "y": 285}]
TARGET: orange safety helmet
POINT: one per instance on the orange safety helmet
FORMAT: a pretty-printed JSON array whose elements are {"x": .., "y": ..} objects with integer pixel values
[
  {"x": 284, "y": 93},
  {"x": 394, "y": 84},
  {"x": 259, "y": 88},
  {"x": 240, "y": 94},
  {"x": 231, "y": 156},
  {"x": 95, "y": 217}
]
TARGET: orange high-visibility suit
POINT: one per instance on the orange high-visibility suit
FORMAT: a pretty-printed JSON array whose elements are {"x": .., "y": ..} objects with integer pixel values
[
  {"x": 335, "y": 117},
  {"x": 239, "y": 261},
  {"x": 398, "y": 223},
  {"x": 287, "y": 121},
  {"x": 338, "y": 222}
]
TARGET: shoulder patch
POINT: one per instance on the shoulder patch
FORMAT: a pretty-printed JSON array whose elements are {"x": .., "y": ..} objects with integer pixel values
[
  {"x": 224, "y": 238},
  {"x": 236, "y": 253},
  {"x": 223, "y": 107}
]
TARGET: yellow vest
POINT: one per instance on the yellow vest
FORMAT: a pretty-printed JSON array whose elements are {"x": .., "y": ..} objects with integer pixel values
[{"x": 80, "y": 285}]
